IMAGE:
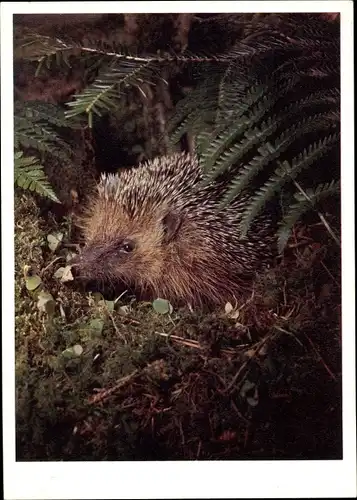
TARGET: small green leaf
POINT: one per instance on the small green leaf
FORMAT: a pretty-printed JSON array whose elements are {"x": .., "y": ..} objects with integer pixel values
[
  {"x": 64, "y": 274},
  {"x": 247, "y": 386},
  {"x": 77, "y": 350},
  {"x": 67, "y": 274},
  {"x": 33, "y": 282},
  {"x": 230, "y": 311},
  {"x": 228, "y": 308},
  {"x": 96, "y": 327},
  {"x": 68, "y": 353},
  {"x": 54, "y": 240},
  {"x": 162, "y": 306},
  {"x": 59, "y": 273},
  {"x": 253, "y": 400},
  {"x": 46, "y": 303},
  {"x": 110, "y": 304},
  {"x": 73, "y": 352}
]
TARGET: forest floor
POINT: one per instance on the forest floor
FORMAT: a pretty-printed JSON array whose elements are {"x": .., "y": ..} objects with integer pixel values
[{"x": 128, "y": 380}]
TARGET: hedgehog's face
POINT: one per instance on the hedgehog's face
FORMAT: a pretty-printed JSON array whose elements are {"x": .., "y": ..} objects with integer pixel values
[{"x": 122, "y": 250}]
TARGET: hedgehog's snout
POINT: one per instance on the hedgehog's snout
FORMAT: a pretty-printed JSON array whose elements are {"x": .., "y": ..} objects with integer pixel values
[
  {"x": 86, "y": 265},
  {"x": 91, "y": 270},
  {"x": 75, "y": 267},
  {"x": 79, "y": 269}
]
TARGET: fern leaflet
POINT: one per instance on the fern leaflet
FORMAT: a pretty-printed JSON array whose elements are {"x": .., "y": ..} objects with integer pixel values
[
  {"x": 105, "y": 91},
  {"x": 283, "y": 174},
  {"x": 29, "y": 174},
  {"x": 302, "y": 206},
  {"x": 269, "y": 152}
]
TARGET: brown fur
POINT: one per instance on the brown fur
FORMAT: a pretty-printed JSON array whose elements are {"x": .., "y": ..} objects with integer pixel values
[
  {"x": 184, "y": 251},
  {"x": 187, "y": 268}
]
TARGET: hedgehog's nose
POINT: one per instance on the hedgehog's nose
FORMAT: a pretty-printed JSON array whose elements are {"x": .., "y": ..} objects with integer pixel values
[
  {"x": 82, "y": 266},
  {"x": 75, "y": 269},
  {"x": 76, "y": 264}
]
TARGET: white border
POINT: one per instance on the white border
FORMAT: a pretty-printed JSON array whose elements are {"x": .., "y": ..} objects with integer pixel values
[
  {"x": 263, "y": 479},
  {"x": 178, "y": 7}
]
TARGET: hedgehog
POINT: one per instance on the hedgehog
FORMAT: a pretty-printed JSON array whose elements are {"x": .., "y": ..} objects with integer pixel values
[{"x": 157, "y": 230}]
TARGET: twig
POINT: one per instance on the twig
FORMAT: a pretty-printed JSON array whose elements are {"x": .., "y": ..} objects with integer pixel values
[
  {"x": 300, "y": 244},
  {"x": 329, "y": 371},
  {"x": 287, "y": 333},
  {"x": 244, "y": 365},
  {"x": 105, "y": 393},
  {"x": 50, "y": 264},
  {"x": 239, "y": 413},
  {"x": 322, "y": 218},
  {"x": 130, "y": 320},
  {"x": 181, "y": 340},
  {"x": 199, "y": 449},
  {"x": 76, "y": 246},
  {"x": 330, "y": 274},
  {"x": 195, "y": 344},
  {"x": 247, "y": 301}
]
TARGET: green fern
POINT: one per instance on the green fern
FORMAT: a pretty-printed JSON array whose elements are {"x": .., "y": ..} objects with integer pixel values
[
  {"x": 37, "y": 125},
  {"x": 44, "y": 112},
  {"x": 279, "y": 91},
  {"x": 236, "y": 125},
  {"x": 29, "y": 174},
  {"x": 232, "y": 155},
  {"x": 269, "y": 152},
  {"x": 42, "y": 139},
  {"x": 302, "y": 206},
  {"x": 284, "y": 174},
  {"x": 233, "y": 84},
  {"x": 118, "y": 70},
  {"x": 105, "y": 92},
  {"x": 43, "y": 49},
  {"x": 252, "y": 131},
  {"x": 188, "y": 117},
  {"x": 217, "y": 158}
]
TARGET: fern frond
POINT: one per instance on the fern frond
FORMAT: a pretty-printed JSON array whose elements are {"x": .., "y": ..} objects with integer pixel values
[
  {"x": 303, "y": 205},
  {"x": 44, "y": 112},
  {"x": 283, "y": 174},
  {"x": 106, "y": 90},
  {"x": 38, "y": 125},
  {"x": 29, "y": 174},
  {"x": 255, "y": 135},
  {"x": 269, "y": 152},
  {"x": 206, "y": 94},
  {"x": 219, "y": 145},
  {"x": 194, "y": 123},
  {"x": 233, "y": 89},
  {"x": 203, "y": 139},
  {"x": 41, "y": 138},
  {"x": 36, "y": 47},
  {"x": 216, "y": 159},
  {"x": 233, "y": 154},
  {"x": 296, "y": 63}
]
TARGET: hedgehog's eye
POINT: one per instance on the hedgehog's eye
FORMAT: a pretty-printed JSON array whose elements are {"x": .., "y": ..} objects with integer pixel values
[{"x": 127, "y": 246}]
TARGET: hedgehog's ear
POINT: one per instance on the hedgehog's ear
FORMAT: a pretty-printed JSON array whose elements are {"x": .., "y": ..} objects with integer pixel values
[{"x": 171, "y": 222}]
